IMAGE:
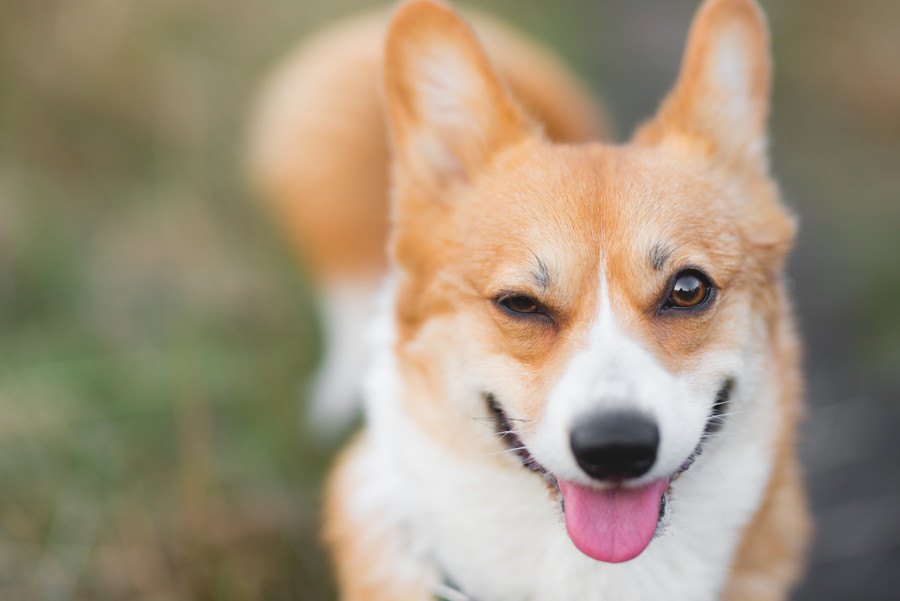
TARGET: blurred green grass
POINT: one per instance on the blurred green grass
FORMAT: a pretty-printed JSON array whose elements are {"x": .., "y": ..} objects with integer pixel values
[{"x": 155, "y": 335}]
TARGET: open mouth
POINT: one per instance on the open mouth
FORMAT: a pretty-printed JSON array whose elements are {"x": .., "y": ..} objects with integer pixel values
[{"x": 612, "y": 524}]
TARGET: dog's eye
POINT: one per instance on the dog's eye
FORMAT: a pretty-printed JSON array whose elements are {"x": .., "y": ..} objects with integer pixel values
[
  {"x": 524, "y": 308},
  {"x": 690, "y": 290},
  {"x": 521, "y": 304}
]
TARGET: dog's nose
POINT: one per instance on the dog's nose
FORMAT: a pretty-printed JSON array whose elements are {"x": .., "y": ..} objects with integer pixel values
[{"x": 615, "y": 446}]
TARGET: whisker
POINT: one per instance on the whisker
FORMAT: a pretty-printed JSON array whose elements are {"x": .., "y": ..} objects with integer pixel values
[
  {"x": 724, "y": 413},
  {"x": 503, "y": 433},
  {"x": 498, "y": 419},
  {"x": 724, "y": 419},
  {"x": 510, "y": 450},
  {"x": 493, "y": 422}
]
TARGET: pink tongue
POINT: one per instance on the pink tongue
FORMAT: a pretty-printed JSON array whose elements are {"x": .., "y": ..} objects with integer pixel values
[{"x": 612, "y": 525}]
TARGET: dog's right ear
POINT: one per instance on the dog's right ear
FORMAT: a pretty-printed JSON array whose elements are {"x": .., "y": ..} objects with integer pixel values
[
  {"x": 448, "y": 110},
  {"x": 721, "y": 98}
]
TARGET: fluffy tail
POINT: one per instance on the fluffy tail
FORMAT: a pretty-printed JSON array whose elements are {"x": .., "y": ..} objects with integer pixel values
[{"x": 320, "y": 158}]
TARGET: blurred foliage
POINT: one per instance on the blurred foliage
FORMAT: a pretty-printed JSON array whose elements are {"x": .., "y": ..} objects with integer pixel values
[{"x": 154, "y": 337}]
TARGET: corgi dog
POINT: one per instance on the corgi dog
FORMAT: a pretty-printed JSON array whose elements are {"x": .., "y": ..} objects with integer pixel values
[{"x": 581, "y": 380}]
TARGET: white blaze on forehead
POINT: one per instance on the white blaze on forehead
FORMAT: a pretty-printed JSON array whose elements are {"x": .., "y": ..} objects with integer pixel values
[
  {"x": 613, "y": 367},
  {"x": 615, "y": 371}
]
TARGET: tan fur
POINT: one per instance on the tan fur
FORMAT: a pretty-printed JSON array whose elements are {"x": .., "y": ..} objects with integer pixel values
[
  {"x": 320, "y": 147},
  {"x": 772, "y": 555},
  {"x": 477, "y": 200}
]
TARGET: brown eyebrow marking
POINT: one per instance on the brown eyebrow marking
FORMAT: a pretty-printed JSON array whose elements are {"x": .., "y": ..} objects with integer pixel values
[
  {"x": 540, "y": 274},
  {"x": 659, "y": 254}
]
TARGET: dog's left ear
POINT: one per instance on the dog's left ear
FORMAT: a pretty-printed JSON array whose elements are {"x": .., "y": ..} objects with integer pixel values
[
  {"x": 448, "y": 110},
  {"x": 721, "y": 98}
]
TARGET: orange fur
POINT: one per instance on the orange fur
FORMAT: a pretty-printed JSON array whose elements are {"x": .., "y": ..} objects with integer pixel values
[
  {"x": 320, "y": 147},
  {"x": 772, "y": 555},
  {"x": 476, "y": 201}
]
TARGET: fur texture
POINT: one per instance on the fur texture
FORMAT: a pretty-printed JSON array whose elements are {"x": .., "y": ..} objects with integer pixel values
[
  {"x": 319, "y": 156},
  {"x": 486, "y": 203}
]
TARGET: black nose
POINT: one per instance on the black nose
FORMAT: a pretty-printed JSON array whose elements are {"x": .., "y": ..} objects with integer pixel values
[{"x": 615, "y": 446}]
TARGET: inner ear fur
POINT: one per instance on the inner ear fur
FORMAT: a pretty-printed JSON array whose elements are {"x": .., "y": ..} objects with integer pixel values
[
  {"x": 448, "y": 111},
  {"x": 720, "y": 101},
  {"x": 718, "y": 110}
]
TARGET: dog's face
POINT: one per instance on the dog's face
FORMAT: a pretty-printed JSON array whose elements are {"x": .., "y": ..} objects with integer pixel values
[{"x": 604, "y": 303}]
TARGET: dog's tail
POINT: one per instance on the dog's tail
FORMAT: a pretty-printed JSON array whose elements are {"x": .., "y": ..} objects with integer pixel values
[{"x": 320, "y": 158}]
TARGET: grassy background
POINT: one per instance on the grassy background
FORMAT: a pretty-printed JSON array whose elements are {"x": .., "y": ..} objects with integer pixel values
[{"x": 155, "y": 336}]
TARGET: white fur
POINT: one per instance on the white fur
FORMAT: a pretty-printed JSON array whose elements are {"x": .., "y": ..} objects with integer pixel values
[
  {"x": 494, "y": 529},
  {"x": 615, "y": 372},
  {"x": 346, "y": 308},
  {"x": 732, "y": 105},
  {"x": 450, "y": 95}
]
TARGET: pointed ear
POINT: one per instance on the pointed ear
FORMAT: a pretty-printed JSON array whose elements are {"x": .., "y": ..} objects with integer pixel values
[
  {"x": 721, "y": 98},
  {"x": 448, "y": 110}
]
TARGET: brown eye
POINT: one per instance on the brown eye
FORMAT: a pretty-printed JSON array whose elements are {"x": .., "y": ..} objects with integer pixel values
[
  {"x": 521, "y": 304},
  {"x": 691, "y": 289}
]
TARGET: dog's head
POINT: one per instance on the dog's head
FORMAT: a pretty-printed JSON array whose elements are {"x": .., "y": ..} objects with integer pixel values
[{"x": 603, "y": 302}]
